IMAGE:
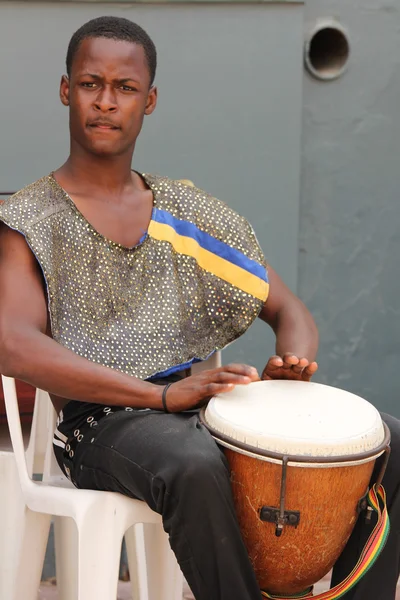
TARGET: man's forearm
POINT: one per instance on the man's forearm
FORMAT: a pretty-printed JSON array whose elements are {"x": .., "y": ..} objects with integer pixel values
[
  {"x": 37, "y": 359},
  {"x": 296, "y": 332}
]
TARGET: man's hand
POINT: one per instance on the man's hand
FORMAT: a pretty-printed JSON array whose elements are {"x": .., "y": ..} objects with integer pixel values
[
  {"x": 289, "y": 367},
  {"x": 197, "y": 389}
]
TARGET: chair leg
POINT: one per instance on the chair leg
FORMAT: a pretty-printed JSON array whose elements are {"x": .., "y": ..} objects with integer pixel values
[
  {"x": 160, "y": 569},
  {"x": 66, "y": 544},
  {"x": 164, "y": 573},
  {"x": 12, "y": 508},
  {"x": 136, "y": 552},
  {"x": 100, "y": 536},
  {"x": 32, "y": 549}
]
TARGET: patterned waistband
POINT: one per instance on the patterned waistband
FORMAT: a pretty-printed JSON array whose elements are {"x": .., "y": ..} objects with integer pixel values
[
  {"x": 71, "y": 431},
  {"x": 78, "y": 418}
]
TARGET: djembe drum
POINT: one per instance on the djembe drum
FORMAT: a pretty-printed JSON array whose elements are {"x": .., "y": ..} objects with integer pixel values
[{"x": 301, "y": 458}]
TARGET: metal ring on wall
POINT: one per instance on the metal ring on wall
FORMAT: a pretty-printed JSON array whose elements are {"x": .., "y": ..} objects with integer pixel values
[{"x": 327, "y": 50}]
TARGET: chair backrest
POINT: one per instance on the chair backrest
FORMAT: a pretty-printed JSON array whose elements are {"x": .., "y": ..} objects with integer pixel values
[
  {"x": 40, "y": 429},
  {"x": 212, "y": 362},
  {"x": 51, "y": 470},
  {"x": 14, "y": 425},
  {"x": 38, "y": 457}
]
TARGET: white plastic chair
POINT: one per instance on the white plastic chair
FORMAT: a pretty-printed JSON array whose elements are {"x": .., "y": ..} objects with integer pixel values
[
  {"x": 12, "y": 504},
  {"x": 145, "y": 543},
  {"x": 213, "y": 362},
  {"x": 152, "y": 564},
  {"x": 101, "y": 520},
  {"x": 11, "y": 512}
]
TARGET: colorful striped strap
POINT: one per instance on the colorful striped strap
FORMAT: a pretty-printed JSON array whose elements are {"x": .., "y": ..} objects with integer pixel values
[{"x": 374, "y": 546}]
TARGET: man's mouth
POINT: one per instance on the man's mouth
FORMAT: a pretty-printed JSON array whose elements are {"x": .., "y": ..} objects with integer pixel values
[{"x": 103, "y": 125}]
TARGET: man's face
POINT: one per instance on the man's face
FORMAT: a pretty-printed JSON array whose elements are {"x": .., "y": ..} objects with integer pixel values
[{"x": 108, "y": 95}]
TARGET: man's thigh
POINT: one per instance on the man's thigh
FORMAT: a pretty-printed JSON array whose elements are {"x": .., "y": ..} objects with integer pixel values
[
  {"x": 143, "y": 453},
  {"x": 391, "y": 480}
]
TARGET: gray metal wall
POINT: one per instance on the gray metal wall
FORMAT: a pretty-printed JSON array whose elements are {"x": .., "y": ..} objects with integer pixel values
[
  {"x": 229, "y": 114},
  {"x": 350, "y": 208},
  {"x": 229, "y": 118}
]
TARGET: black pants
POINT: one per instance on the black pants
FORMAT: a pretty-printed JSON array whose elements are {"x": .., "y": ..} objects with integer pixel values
[
  {"x": 380, "y": 582},
  {"x": 171, "y": 462}
]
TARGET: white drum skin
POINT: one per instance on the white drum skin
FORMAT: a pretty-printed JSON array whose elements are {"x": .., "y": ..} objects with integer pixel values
[{"x": 297, "y": 418}]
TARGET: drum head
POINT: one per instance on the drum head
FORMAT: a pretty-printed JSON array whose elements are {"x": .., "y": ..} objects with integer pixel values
[{"x": 295, "y": 418}]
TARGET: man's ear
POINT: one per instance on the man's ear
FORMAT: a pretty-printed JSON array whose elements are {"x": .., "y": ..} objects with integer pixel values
[
  {"x": 151, "y": 100},
  {"x": 64, "y": 90}
]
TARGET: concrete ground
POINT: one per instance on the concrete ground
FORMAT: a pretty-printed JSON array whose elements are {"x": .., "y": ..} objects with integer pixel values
[{"x": 49, "y": 591}]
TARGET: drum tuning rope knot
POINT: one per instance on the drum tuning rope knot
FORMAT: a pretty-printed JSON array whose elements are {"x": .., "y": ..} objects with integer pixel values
[{"x": 372, "y": 549}]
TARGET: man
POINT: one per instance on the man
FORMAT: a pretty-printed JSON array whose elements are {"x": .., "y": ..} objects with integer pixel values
[{"x": 118, "y": 283}]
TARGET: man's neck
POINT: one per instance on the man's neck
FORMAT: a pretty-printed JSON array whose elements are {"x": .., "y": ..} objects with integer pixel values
[{"x": 90, "y": 173}]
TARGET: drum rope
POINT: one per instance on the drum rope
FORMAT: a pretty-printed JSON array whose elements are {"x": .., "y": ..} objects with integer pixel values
[{"x": 372, "y": 549}]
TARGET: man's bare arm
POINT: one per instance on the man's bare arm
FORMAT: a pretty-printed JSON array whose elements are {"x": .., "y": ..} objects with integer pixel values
[
  {"x": 27, "y": 353},
  {"x": 291, "y": 321},
  {"x": 295, "y": 330}
]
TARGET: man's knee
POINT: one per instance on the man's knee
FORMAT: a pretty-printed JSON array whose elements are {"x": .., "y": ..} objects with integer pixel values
[
  {"x": 199, "y": 469},
  {"x": 203, "y": 466},
  {"x": 391, "y": 479},
  {"x": 394, "y": 427}
]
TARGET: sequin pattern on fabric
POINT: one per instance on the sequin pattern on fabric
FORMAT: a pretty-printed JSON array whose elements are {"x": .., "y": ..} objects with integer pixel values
[{"x": 143, "y": 310}]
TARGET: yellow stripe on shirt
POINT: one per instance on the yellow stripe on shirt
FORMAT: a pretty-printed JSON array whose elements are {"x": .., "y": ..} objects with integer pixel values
[{"x": 225, "y": 270}]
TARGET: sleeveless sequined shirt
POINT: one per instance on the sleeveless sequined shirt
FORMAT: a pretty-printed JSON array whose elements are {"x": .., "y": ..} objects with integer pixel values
[{"x": 194, "y": 283}]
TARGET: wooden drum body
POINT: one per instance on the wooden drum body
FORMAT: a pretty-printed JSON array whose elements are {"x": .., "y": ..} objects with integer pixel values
[{"x": 301, "y": 458}]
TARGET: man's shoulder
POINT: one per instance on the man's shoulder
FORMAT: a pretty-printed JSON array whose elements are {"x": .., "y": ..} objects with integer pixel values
[
  {"x": 29, "y": 204},
  {"x": 185, "y": 200},
  {"x": 167, "y": 185},
  {"x": 29, "y": 191}
]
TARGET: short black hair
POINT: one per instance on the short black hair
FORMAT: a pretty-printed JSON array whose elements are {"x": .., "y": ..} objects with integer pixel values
[{"x": 114, "y": 28}]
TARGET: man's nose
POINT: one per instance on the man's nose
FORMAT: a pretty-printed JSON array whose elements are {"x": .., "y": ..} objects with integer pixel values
[{"x": 106, "y": 100}]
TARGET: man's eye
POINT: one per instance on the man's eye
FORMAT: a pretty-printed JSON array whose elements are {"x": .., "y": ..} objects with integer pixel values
[
  {"x": 88, "y": 84},
  {"x": 128, "y": 88}
]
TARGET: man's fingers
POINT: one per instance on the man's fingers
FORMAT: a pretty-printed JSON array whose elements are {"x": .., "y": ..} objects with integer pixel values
[
  {"x": 212, "y": 389},
  {"x": 226, "y": 377},
  {"x": 312, "y": 368},
  {"x": 301, "y": 365},
  {"x": 309, "y": 371},
  {"x": 289, "y": 360},
  {"x": 239, "y": 374},
  {"x": 245, "y": 370},
  {"x": 304, "y": 362},
  {"x": 275, "y": 362}
]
